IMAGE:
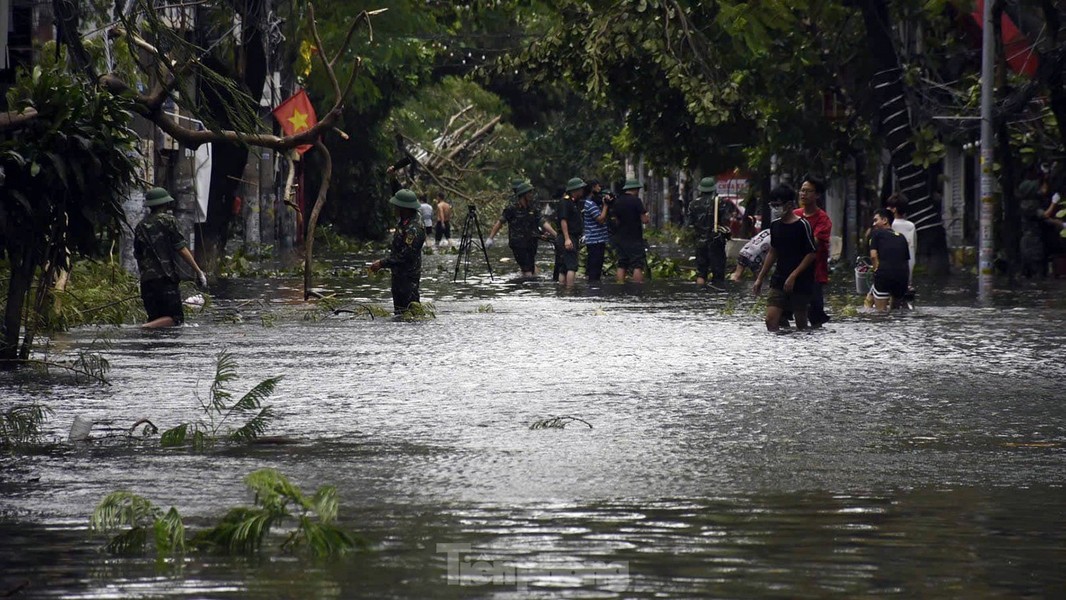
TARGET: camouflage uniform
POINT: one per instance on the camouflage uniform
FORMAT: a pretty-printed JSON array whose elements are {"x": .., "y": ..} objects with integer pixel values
[
  {"x": 523, "y": 232},
  {"x": 156, "y": 243},
  {"x": 405, "y": 262},
  {"x": 710, "y": 243}
]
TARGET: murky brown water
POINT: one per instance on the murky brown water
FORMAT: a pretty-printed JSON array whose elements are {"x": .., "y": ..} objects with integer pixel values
[{"x": 922, "y": 455}]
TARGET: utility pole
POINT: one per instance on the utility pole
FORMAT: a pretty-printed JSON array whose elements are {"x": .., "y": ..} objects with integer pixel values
[{"x": 984, "y": 263}]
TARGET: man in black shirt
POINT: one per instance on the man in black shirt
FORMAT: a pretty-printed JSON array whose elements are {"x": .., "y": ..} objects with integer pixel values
[
  {"x": 571, "y": 225},
  {"x": 793, "y": 249},
  {"x": 890, "y": 255},
  {"x": 629, "y": 217}
]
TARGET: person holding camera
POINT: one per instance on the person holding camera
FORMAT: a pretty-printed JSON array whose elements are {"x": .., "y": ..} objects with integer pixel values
[
  {"x": 709, "y": 217},
  {"x": 596, "y": 206},
  {"x": 524, "y": 225},
  {"x": 571, "y": 225}
]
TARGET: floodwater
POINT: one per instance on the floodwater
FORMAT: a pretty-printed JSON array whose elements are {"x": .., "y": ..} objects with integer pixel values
[{"x": 920, "y": 455}]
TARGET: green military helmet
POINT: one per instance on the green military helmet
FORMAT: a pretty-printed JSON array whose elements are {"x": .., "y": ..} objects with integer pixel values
[
  {"x": 516, "y": 183},
  {"x": 522, "y": 189},
  {"x": 1029, "y": 189},
  {"x": 405, "y": 199},
  {"x": 157, "y": 196},
  {"x": 631, "y": 184},
  {"x": 575, "y": 184},
  {"x": 707, "y": 185}
]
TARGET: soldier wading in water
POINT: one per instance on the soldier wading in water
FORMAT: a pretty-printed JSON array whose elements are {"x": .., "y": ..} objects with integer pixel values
[
  {"x": 525, "y": 224},
  {"x": 405, "y": 259},
  {"x": 157, "y": 246},
  {"x": 709, "y": 217}
]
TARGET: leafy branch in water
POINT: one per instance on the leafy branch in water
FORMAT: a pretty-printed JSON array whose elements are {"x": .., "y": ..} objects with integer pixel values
[
  {"x": 558, "y": 422},
  {"x": 135, "y": 518},
  {"x": 419, "y": 311},
  {"x": 21, "y": 425},
  {"x": 135, "y": 521},
  {"x": 277, "y": 500},
  {"x": 90, "y": 365},
  {"x": 220, "y": 408}
]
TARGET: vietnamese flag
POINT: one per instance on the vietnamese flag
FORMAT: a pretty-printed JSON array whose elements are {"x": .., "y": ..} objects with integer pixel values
[
  {"x": 1020, "y": 52},
  {"x": 295, "y": 115}
]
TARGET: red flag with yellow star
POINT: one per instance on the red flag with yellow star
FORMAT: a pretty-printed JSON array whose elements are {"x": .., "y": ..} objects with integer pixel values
[{"x": 295, "y": 115}]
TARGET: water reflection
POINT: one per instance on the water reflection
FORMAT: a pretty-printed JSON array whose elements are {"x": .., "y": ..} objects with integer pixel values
[{"x": 919, "y": 455}]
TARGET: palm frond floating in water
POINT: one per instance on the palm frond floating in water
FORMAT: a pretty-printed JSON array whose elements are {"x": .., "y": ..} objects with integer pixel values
[{"x": 559, "y": 422}]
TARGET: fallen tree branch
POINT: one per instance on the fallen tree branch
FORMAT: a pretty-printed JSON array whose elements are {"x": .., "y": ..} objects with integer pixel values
[{"x": 320, "y": 201}]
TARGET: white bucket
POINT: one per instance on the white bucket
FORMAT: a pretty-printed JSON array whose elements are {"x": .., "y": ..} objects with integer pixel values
[{"x": 79, "y": 430}]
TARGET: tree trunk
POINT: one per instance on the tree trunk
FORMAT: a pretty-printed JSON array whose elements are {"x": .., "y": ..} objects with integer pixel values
[
  {"x": 227, "y": 166},
  {"x": 914, "y": 181},
  {"x": 23, "y": 266},
  {"x": 309, "y": 238},
  {"x": 229, "y": 160}
]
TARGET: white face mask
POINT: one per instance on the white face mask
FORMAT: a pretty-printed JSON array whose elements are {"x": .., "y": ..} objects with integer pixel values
[{"x": 776, "y": 212}]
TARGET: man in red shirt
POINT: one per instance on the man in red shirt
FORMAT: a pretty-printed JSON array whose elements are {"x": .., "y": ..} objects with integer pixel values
[{"x": 810, "y": 194}]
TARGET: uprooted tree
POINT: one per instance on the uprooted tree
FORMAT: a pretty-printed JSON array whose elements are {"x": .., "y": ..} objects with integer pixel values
[{"x": 67, "y": 150}]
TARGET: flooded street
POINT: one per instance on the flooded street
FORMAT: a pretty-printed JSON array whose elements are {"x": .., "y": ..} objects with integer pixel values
[{"x": 920, "y": 455}]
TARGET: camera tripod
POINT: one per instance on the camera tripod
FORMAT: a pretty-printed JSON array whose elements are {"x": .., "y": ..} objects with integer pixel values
[{"x": 470, "y": 226}]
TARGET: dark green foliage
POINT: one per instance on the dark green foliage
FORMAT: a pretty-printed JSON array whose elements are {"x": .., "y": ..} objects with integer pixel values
[
  {"x": 64, "y": 176},
  {"x": 65, "y": 172},
  {"x": 96, "y": 293},
  {"x": 277, "y": 500},
  {"x": 141, "y": 519},
  {"x": 713, "y": 85},
  {"x": 134, "y": 522},
  {"x": 663, "y": 267},
  {"x": 21, "y": 425},
  {"x": 221, "y": 408}
]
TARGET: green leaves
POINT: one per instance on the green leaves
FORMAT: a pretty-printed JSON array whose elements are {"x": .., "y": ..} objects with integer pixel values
[
  {"x": 135, "y": 521},
  {"x": 220, "y": 408},
  {"x": 126, "y": 509},
  {"x": 21, "y": 425},
  {"x": 59, "y": 194},
  {"x": 928, "y": 149},
  {"x": 225, "y": 371},
  {"x": 175, "y": 436},
  {"x": 277, "y": 500}
]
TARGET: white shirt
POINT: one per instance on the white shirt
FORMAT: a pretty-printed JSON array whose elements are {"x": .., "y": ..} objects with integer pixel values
[
  {"x": 427, "y": 215},
  {"x": 906, "y": 229}
]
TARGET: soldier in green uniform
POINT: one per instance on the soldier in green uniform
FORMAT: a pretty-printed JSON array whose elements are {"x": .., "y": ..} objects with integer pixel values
[
  {"x": 709, "y": 218},
  {"x": 571, "y": 228},
  {"x": 524, "y": 225},
  {"x": 405, "y": 259},
  {"x": 157, "y": 246}
]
